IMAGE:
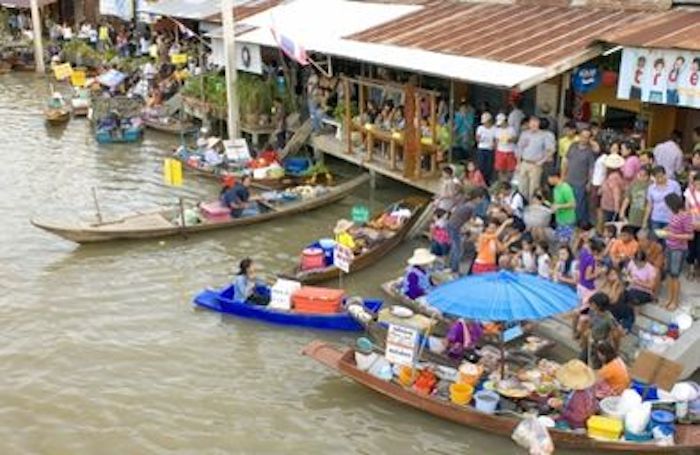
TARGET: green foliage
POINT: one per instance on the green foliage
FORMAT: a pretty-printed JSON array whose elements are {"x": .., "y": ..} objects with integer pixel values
[{"x": 339, "y": 111}]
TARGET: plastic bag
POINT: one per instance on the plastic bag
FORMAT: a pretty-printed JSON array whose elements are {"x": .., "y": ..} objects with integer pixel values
[{"x": 532, "y": 435}]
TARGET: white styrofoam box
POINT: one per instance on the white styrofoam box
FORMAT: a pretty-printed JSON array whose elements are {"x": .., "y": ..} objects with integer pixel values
[{"x": 281, "y": 294}]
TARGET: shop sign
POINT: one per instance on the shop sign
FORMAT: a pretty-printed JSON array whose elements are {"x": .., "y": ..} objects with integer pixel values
[
  {"x": 586, "y": 78},
  {"x": 401, "y": 344},
  {"x": 660, "y": 76},
  {"x": 343, "y": 257},
  {"x": 248, "y": 58}
]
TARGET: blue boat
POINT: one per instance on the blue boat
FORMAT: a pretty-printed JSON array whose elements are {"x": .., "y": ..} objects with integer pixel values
[
  {"x": 131, "y": 134},
  {"x": 222, "y": 302}
]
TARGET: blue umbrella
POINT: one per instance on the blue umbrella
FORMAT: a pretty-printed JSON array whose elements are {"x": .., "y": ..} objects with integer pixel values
[{"x": 503, "y": 297}]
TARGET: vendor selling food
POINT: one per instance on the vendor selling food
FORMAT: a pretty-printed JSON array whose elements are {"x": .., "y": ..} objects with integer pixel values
[
  {"x": 613, "y": 377},
  {"x": 461, "y": 337},
  {"x": 581, "y": 402},
  {"x": 416, "y": 281}
]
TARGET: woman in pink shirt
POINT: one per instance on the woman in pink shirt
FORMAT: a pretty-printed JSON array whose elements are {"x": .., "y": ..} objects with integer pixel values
[
  {"x": 632, "y": 165},
  {"x": 678, "y": 233},
  {"x": 613, "y": 188},
  {"x": 641, "y": 275}
]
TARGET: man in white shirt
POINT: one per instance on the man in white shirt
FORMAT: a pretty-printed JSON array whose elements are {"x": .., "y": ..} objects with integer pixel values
[
  {"x": 485, "y": 143},
  {"x": 669, "y": 155}
]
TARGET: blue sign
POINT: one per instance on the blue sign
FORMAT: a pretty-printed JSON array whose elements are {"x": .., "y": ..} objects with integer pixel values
[{"x": 586, "y": 78}]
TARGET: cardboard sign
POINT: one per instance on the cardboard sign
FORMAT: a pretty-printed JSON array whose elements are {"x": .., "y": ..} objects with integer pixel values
[
  {"x": 172, "y": 172},
  {"x": 62, "y": 71},
  {"x": 651, "y": 368},
  {"x": 401, "y": 344},
  {"x": 78, "y": 79},
  {"x": 178, "y": 59},
  {"x": 237, "y": 150},
  {"x": 343, "y": 257}
]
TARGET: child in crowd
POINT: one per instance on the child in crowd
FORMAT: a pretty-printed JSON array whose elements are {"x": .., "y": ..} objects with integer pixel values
[
  {"x": 544, "y": 261},
  {"x": 473, "y": 176},
  {"x": 528, "y": 260},
  {"x": 565, "y": 267},
  {"x": 440, "y": 239},
  {"x": 623, "y": 248},
  {"x": 488, "y": 246}
]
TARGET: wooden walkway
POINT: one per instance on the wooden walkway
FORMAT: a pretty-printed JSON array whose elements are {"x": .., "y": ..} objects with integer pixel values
[{"x": 327, "y": 143}]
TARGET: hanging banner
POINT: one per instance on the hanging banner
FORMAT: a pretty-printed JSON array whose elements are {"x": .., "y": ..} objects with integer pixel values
[
  {"x": 178, "y": 59},
  {"x": 586, "y": 78},
  {"x": 660, "y": 76},
  {"x": 172, "y": 172},
  {"x": 123, "y": 9},
  {"x": 78, "y": 79},
  {"x": 62, "y": 71}
]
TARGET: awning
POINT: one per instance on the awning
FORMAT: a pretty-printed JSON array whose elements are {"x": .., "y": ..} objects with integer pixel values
[
  {"x": 183, "y": 9},
  {"x": 25, "y": 3},
  {"x": 674, "y": 29},
  {"x": 350, "y": 17}
]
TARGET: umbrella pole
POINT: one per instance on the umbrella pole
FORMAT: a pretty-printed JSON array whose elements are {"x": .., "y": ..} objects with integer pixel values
[{"x": 503, "y": 356}]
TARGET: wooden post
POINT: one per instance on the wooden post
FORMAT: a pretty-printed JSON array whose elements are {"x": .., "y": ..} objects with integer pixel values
[
  {"x": 433, "y": 118},
  {"x": 231, "y": 71},
  {"x": 348, "y": 114},
  {"x": 411, "y": 148},
  {"x": 36, "y": 35},
  {"x": 452, "y": 121}
]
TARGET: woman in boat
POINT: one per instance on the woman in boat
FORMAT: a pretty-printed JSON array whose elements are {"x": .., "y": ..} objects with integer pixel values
[
  {"x": 581, "y": 402},
  {"x": 416, "y": 282},
  {"x": 613, "y": 377},
  {"x": 245, "y": 284},
  {"x": 462, "y": 336}
]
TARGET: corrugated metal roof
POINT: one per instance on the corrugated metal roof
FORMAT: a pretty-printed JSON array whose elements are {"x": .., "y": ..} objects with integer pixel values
[
  {"x": 247, "y": 9},
  {"x": 675, "y": 29},
  {"x": 539, "y": 35}
]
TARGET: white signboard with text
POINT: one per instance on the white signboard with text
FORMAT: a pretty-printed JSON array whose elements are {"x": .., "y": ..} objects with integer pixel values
[
  {"x": 401, "y": 344},
  {"x": 662, "y": 76},
  {"x": 343, "y": 257}
]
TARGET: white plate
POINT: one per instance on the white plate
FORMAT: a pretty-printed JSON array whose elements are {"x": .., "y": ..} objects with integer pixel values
[{"x": 401, "y": 311}]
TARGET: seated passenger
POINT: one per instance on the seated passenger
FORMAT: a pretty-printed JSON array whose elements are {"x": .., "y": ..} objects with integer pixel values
[
  {"x": 245, "y": 285},
  {"x": 238, "y": 200},
  {"x": 416, "y": 281}
]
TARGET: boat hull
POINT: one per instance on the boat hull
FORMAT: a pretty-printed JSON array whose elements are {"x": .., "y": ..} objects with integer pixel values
[
  {"x": 372, "y": 256},
  {"x": 343, "y": 361},
  {"x": 127, "y": 136},
  {"x": 57, "y": 116},
  {"x": 175, "y": 127},
  {"x": 157, "y": 226},
  {"x": 219, "y": 302}
]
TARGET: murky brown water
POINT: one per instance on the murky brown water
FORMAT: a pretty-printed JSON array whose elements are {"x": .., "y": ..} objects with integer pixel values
[{"x": 102, "y": 351}]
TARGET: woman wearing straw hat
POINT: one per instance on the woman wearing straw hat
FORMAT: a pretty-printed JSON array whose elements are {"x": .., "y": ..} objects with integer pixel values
[
  {"x": 613, "y": 189},
  {"x": 416, "y": 282},
  {"x": 581, "y": 402}
]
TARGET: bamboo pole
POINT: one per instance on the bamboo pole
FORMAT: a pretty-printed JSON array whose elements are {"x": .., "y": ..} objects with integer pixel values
[
  {"x": 37, "y": 36},
  {"x": 231, "y": 71}
]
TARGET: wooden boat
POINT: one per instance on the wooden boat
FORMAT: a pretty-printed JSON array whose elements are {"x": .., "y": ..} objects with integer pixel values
[
  {"x": 170, "y": 125},
  {"x": 164, "y": 222},
  {"x": 343, "y": 361},
  {"x": 124, "y": 135},
  {"x": 222, "y": 302},
  {"x": 371, "y": 256},
  {"x": 80, "y": 105},
  {"x": 57, "y": 116}
]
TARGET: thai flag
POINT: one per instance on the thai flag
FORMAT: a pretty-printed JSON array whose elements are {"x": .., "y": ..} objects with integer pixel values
[{"x": 291, "y": 48}]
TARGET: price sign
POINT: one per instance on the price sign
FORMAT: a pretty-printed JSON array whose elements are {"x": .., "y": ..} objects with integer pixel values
[
  {"x": 178, "y": 59},
  {"x": 401, "y": 344},
  {"x": 343, "y": 257},
  {"x": 62, "y": 71},
  {"x": 172, "y": 172},
  {"x": 359, "y": 214}
]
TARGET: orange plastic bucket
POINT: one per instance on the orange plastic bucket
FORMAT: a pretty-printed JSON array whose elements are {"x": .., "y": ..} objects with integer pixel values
[
  {"x": 461, "y": 394},
  {"x": 406, "y": 376}
]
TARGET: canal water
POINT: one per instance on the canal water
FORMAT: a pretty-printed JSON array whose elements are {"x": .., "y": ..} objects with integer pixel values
[{"x": 102, "y": 351}]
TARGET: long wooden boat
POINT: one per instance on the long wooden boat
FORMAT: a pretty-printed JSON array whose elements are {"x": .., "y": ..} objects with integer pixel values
[
  {"x": 222, "y": 301},
  {"x": 343, "y": 361},
  {"x": 57, "y": 116},
  {"x": 171, "y": 126},
  {"x": 164, "y": 222},
  {"x": 371, "y": 256}
]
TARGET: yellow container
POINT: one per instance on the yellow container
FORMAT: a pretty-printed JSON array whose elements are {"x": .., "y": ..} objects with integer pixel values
[
  {"x": 461, "y": 394},
  {"x": 470, "y": 373},
  {"x": 406, "y": 376},
  {"x": 600, "y": 427}
]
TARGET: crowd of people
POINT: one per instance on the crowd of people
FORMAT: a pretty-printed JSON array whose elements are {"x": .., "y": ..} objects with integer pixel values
[{"x": 618, "y": 225}]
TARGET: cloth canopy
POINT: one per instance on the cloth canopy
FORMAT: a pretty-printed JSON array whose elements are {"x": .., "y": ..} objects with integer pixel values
[
  {"x": 503, "y": 297},
  {"x": 111, "y": 78}
]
